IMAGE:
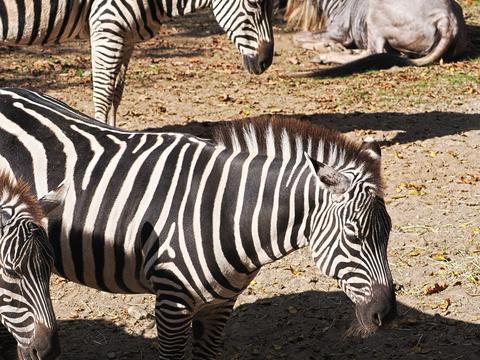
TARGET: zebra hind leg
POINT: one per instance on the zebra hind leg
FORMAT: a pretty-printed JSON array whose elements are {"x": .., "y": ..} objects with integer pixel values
[
  {"x": 110, "y": 56},
  {"x": 174, "y": 321},
  {"x": 208, "y": 325},
  {"x": 119, "y": 84}
]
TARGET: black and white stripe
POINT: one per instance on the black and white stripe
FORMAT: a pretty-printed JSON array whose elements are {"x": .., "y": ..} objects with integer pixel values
[
  {"x": 114, "y": 26},
  {"x": 26, "y": 257},
  {"x": 191, "y": 220}
]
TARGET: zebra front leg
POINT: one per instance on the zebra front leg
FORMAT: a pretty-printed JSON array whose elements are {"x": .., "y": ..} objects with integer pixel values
[
  {"x": 174, "y": 320},
  {"x": 208, "y": 325},
  {"x": 110, "y": 56}
]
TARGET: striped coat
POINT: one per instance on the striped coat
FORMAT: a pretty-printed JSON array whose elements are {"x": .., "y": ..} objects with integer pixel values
[
  {"x": 193, "y": 220},
  {"x": 114, "y": 26}
]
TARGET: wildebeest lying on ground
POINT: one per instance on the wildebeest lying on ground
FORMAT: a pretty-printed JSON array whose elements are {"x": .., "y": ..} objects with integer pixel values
[
  {"x": 26, "y": 258},
  {"x": 387, "y": 32}
]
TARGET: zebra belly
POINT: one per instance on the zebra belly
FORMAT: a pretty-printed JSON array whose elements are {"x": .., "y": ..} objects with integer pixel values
[{"x": 32, "y": 22}]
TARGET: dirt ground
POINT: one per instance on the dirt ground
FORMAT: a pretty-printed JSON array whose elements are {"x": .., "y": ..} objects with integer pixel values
[{"x": 427, "y": 120}]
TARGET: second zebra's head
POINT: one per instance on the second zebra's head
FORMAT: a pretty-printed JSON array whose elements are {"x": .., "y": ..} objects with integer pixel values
[
  {"x": 248, "y": 24},
  {"x": 25, "y": 265},
  {"x": 349, "y": 234}
]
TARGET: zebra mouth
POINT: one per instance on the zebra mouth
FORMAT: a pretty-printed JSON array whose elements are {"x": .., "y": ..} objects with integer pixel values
[
  {"x": 260, "y": 62},
  {"x": 380, "y": 310}
]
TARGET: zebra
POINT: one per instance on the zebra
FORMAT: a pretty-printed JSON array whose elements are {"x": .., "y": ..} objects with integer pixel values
[
  {"x": 192, "y": 220},
  {"x": 26, "y": 258},
  {"x": 114, "y": 26}
]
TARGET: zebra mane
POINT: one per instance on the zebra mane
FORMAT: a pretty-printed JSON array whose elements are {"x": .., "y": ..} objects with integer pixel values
[
  {"x": 10, "y": 187},
  {"x": 287, "y": 136}
]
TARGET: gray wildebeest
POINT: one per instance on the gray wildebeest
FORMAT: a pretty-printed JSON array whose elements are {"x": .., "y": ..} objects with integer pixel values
[{"x": 387, "y": 32}]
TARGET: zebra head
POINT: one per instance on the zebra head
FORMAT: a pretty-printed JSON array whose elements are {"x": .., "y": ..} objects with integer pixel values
[
  {"x": 248, "y": 24},
  {"x": 25, "y": 265},
  {"x": 349, "y": 238}
]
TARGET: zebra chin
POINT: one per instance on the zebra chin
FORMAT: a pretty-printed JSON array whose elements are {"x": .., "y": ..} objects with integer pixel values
[
  {"x": 374, "y": 314},
  {"x": 258, "y": 63},
  {"x": 44, "y": 346}
]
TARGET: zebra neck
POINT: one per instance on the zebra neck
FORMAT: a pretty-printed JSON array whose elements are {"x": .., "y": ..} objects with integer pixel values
[
  {"x": 180, "y": 7},
  {"x": 270, "y": 205}
]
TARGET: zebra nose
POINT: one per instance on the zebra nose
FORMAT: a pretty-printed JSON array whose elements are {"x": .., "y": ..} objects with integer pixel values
[
  {"x": 45, "y": 346},
  {"x": 261, "y": 61},
  {"x": 382, "y": 308},
  {"x": 265, "y": 55}
]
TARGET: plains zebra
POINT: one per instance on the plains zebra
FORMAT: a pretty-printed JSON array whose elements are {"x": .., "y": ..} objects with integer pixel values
[
  {"x": 114, "y": 26},
  {"x": 390, "y": 32},
  {"x": 26, "y": 258},
  {"x": 193, "y": 220}
]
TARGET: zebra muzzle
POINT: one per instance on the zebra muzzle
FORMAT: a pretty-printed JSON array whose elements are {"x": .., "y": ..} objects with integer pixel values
[
  {"x": 260, "y": 62},
  {"x": 380, "y": 310},
  {"x": 45, "y": 345}
]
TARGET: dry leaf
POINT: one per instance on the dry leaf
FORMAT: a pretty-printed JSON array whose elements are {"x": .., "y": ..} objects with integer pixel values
[
  {"x": 469, "y": 179},
  {"x": 414, "y": 252},
  {"x": 292, "y": 310},
  {"x": 445, "y": 304},
  {"x": 435, "y": 289},
  {"x": 295, "y": 271},
  {"x": 440, "y": 256}
]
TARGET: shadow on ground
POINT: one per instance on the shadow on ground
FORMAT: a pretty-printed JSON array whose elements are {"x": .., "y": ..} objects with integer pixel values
[
  {"x": 309, "y": 325},
  {"x": 410, "y": 127}
]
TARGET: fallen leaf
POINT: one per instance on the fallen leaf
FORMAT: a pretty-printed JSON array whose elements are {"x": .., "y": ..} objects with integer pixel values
[
  {"x": 295, "y": 270},
  {"x": 453, "y": 153},
  {"x": 292, "y": 310},
  {"x": 414, "y": 252},
  {"x": 440, "y": 256},
  {"x": 435, "y": 289},
  {"x": 445, "y": 304},
  {"x": 468, "y": 179}
]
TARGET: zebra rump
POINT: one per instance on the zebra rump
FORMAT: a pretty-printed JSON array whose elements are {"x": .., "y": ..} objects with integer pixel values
[{"x": 193, "y": 220}]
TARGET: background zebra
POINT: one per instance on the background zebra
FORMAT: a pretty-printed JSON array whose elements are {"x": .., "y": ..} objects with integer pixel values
[
  {"x": 192, "y": 221},
  {"x": 113, "y": 27},
  {"x": 25, "y": 264}
]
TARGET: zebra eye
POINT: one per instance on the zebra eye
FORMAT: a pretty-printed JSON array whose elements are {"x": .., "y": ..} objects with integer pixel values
[
  {"x": 351, "y": 232},
  {"x": 11, "y": 273},
  {"x": 5, "y": 216}
]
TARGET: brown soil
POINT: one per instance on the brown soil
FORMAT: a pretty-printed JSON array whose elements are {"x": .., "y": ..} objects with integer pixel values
[{"x": 428, "y": 123}]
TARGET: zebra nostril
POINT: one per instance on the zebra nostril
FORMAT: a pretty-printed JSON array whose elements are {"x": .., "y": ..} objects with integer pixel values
[{"x": 377, "y": 319}]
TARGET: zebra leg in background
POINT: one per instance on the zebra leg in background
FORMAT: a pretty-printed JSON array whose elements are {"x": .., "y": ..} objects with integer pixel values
[
  {"x": 111, "y": 51},
  {"x": 119, "y": 84},
  {"x": 174, "y": 319},
  {"x": 208, "y": 325}
]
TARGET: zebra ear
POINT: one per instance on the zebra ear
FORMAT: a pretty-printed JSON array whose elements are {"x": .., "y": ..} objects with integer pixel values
[
  {"x": 331, "y": 179},
  {"x": 371, "y": 148},
  {"x": 53, "y": 199}
]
